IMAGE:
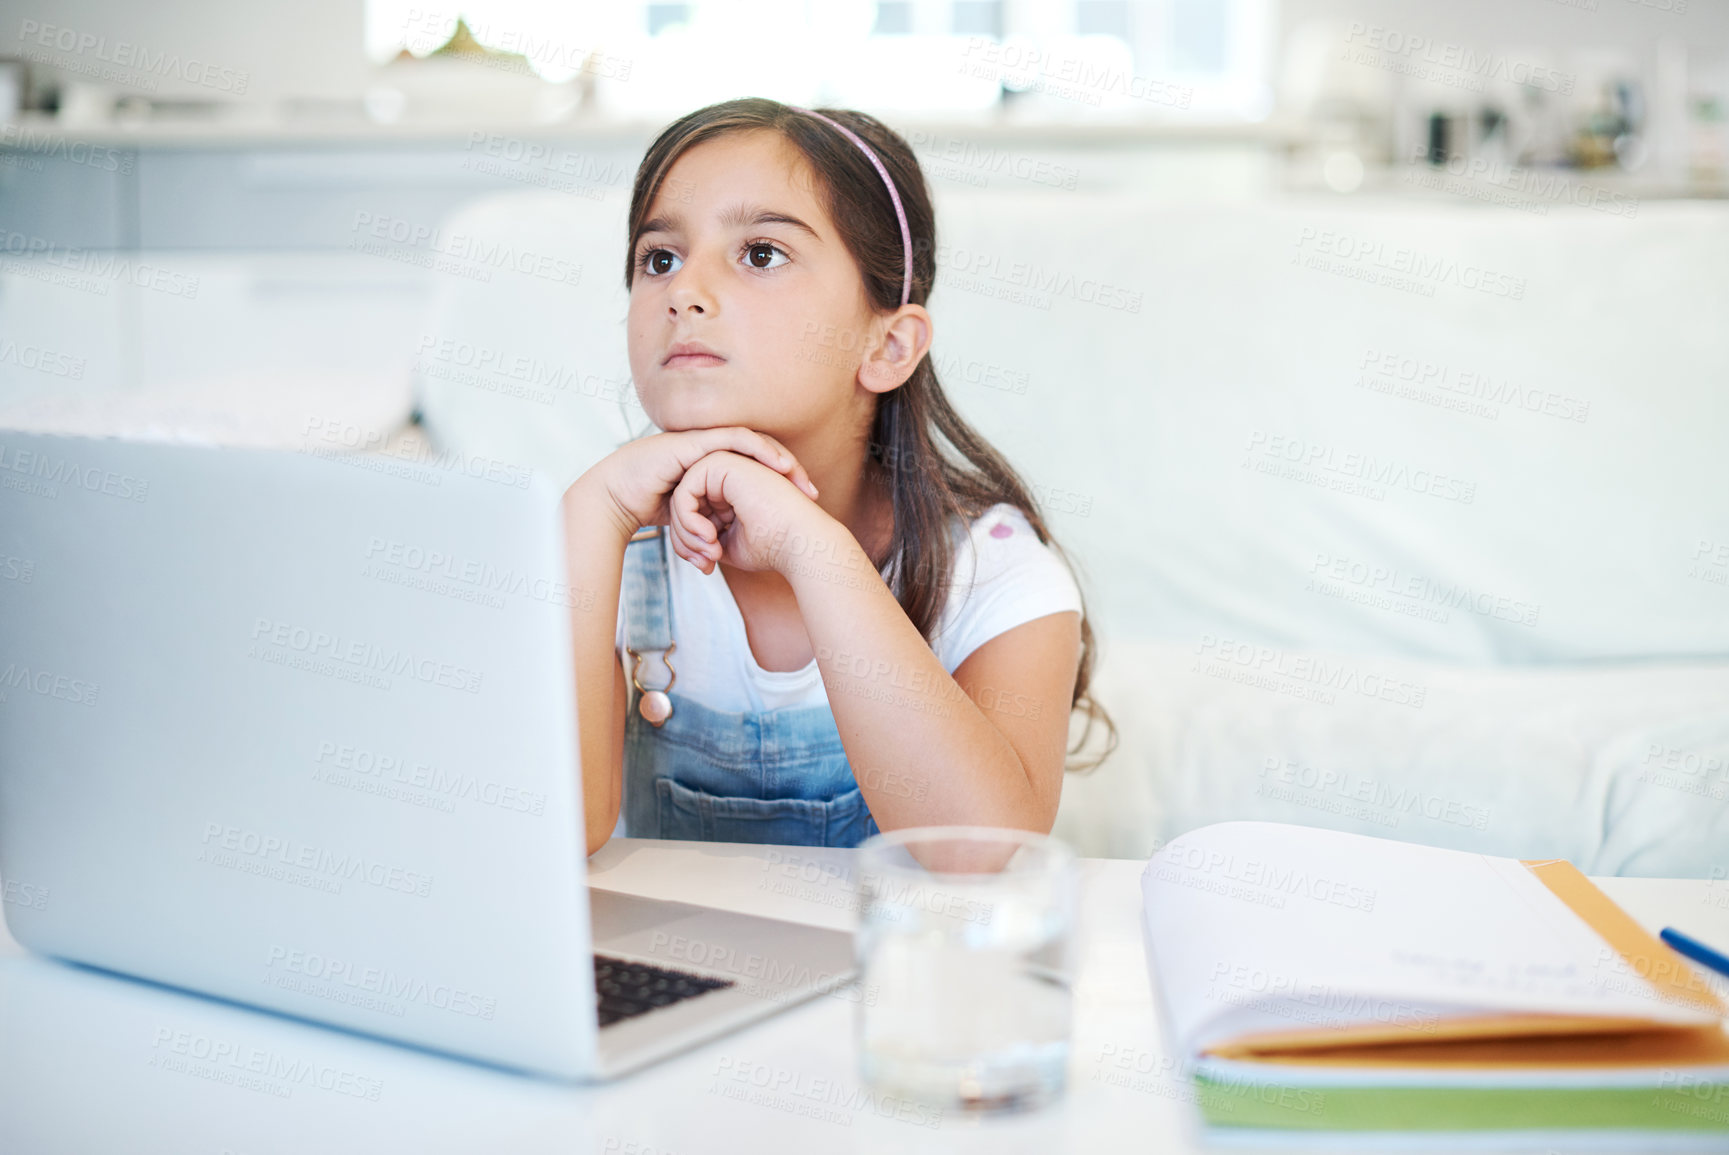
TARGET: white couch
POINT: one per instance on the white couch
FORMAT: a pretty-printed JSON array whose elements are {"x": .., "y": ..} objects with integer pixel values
[
  {"x": 1516, "y": 641},
  {"x": 1301, "y": 615}
]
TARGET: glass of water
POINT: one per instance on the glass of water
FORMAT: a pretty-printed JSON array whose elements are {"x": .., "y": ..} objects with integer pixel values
[{"x": 965, "y": 958}]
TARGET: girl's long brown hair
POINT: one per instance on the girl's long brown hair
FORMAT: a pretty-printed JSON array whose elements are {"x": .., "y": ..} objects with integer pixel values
[{"x": 936, "y": 466}]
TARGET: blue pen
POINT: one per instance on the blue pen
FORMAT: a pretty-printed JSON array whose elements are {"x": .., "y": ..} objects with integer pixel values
[{"x": 1696, "y": 950}]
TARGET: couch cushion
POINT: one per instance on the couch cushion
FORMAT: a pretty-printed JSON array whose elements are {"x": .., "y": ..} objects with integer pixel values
[
  {"x": 1297, "y": 455},
  {"x": 1621, "y": 769},
  {"x": 524, "y": 367}
]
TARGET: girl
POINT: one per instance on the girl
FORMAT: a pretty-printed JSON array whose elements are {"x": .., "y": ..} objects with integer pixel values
[{"x": 867, "y": 621}]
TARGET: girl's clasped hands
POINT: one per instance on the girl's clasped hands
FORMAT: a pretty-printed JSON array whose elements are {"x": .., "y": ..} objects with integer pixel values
[{"x": 727, "y": 493}]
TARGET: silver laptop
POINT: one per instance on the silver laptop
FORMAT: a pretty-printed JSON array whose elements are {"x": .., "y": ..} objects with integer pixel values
[{"x": 297, "y": 729}]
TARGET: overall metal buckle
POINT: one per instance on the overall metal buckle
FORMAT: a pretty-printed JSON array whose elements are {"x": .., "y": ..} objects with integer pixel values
[{"x": 654, "y": 705}]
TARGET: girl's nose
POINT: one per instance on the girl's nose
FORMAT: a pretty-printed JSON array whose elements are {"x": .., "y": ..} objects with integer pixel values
[{"x": 689, "y": 292}]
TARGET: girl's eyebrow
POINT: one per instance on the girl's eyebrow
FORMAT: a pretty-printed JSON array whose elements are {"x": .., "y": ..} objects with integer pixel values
[{"x": 736, "y": 216}]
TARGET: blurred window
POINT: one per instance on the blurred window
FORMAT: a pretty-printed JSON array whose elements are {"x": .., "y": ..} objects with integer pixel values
[
  {"x": 1153, "y": 59},
  {"x": 1102, "y": 18},
  {"x": 978, "y": 18},
  {"x": 894, "y": 18},
  {"x": 664, "y": 15}
]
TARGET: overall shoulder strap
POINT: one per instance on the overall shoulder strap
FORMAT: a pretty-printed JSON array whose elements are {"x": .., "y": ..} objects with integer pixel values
[{"x": 647, "y": 591}]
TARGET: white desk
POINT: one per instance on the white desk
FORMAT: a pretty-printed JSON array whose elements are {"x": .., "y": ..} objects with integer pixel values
[{"x": 81, "y": 1071}]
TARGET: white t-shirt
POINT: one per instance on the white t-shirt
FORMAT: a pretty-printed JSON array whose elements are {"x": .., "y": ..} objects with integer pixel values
[{"x": 1003, "y": 576}]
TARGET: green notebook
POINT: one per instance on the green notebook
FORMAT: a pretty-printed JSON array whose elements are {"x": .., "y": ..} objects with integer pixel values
[{"x": 1317, "y": 981}]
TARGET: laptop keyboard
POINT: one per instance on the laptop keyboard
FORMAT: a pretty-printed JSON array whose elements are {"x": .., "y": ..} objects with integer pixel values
[{"x": 624, "y": 989}]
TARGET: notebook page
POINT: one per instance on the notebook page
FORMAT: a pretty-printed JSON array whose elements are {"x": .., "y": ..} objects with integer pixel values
[{"x": 1290, "y": 927}]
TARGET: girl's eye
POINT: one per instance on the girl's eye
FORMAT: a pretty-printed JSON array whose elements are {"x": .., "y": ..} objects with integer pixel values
[
  {"x": 764, "y": 251},
  {"x": 653, "y": 261}
]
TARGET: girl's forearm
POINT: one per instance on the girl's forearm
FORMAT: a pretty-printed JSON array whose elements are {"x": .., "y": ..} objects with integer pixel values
[
  {"x": 594, "y": 561},
  {"x": 923, "y": 752}
]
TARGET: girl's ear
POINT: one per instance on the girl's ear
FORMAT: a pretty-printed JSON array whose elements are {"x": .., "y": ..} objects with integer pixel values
[{"x": 903, "y": 339}]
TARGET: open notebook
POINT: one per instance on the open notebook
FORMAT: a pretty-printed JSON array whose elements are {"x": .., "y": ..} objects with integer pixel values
[{"x": 1335, "y": 982}]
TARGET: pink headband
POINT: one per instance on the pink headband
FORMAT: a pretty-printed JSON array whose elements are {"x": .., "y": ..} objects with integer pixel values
[{"x": 900, "y": 213}]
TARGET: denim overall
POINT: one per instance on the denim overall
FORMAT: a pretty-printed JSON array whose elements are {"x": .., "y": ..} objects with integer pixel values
[{"x": 775, "y": 776}]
